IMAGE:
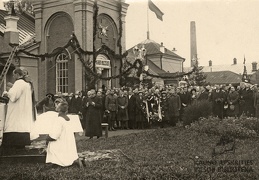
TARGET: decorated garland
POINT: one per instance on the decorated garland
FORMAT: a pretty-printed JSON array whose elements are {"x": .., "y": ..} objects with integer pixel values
[
  {"x": 140, "y": 70},
  {"x": 120, "y": 34},
  {"x": 47, "y": 55},
  {"x": 94, "y": 32},
  {"x": 74, "y": 43}
]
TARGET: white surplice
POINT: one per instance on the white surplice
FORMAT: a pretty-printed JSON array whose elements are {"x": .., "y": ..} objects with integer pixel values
[
  {"x": 63, "y": 151},
  {"x": 19, "y": 117},
  {"x": 44, "y": 123}
]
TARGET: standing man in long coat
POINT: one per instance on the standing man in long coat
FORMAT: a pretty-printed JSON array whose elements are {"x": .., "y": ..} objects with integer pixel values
[
  {"x": 218, "y": 98},
  {"x": 93, "y": 124},
  {"x": 122, "y": 115},
  {"x": 242, "y": 94},
  {"x": 132, "y": 109},
  {"x": 20, "y": 114},
  {"x": 185, "y": 97},
  {"x": 164, "y": 110},
  {"x": 111, "y": 105},
  {"x": 174, "y": 106},
  {"x": 233, "y": 102},
  {"x": 203, "y": 95},
  {"x": 249, "y": 101},
  {"x": 256, "y": 101},
  {"x": 140, "y": 110}
]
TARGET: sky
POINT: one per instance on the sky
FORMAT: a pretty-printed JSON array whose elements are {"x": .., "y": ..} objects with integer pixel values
[{"x": 225, "y": 29}]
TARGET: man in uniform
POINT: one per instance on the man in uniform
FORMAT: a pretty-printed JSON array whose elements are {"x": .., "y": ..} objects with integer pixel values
[{"x": 111, "y": 105}]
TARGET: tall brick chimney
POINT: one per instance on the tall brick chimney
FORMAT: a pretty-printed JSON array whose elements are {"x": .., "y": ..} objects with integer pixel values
[{"x": 193, "y": 57}]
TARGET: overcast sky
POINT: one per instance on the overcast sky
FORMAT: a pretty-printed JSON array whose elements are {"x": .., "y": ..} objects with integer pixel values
[{"x": 225, "y": 29}]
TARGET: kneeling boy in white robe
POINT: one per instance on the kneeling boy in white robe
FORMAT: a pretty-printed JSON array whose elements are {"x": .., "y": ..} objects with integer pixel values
[{"x": 61, "y": 149}]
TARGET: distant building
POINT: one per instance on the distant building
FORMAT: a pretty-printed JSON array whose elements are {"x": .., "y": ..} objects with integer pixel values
[
  {"x": 161, "y": 61},
  {"x": 230, "y": 73}
]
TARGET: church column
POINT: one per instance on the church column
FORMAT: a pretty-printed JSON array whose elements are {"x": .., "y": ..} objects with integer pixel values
[
  {"x": 123, "y": 38},
  {"x": 42, "y": 65},
  {"x": 84, "y": 32}
]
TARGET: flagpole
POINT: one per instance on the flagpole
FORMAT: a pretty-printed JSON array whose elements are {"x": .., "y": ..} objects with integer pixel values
[{"x": 147, "y": 21}]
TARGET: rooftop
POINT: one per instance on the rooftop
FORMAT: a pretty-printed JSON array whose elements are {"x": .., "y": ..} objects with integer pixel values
[
  {"x": 223, "y": 77},
  {"x": 236, "y": 68},
  {"x": 26, "y": 26}
]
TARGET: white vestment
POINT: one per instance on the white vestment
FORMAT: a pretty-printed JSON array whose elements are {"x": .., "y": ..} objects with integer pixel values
[
  {"x": 19, "y": 117},
  {"x": 63, "y": 151},
  {"x": 44, "y": 123}
]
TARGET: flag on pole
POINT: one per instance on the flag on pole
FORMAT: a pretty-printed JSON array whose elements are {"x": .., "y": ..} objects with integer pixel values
[
  {"x": 245, "y": 77},
  {"x": 156, "y": 10}
]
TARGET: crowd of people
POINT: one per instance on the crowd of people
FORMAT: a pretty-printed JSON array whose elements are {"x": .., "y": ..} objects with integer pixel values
[
  {"x": 121, "y": 108},
  {"x": 139, "y": 108}
]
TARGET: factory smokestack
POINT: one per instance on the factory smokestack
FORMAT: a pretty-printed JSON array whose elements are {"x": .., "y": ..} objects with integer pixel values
[{"x": 194, "y": 58}]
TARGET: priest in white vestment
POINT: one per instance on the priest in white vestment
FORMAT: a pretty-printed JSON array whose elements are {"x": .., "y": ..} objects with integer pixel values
[{"x": 19, "y": 117}]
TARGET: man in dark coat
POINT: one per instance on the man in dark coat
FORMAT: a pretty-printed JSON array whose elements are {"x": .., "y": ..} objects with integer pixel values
[
  {"x": 71, "y": 104},
  {"x": 47, "y": 104},
  {"x": 77, "y": 106},
  {"x": 132, "y": 109},
  {"x": 93, "y": 122},
  {"x": 185, "y": 97},
  {"x": 174, "y": 106},
  {"x": 111, "y": 105},
  {"x": 248, "y": 107},
  {"x": 203, "y": 95},
  {"x": 233, "y": 102},
  {"x": 140, "y": 110},
  {"x": 218, "y": 98},
  {"x": 122, "y": 115},
  {"x": 242, "y": 94},
  {"x": 164, "y": 110}
]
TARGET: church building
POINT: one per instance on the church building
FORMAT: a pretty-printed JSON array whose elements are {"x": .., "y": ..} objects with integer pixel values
[{"x": 94, "y": 24}]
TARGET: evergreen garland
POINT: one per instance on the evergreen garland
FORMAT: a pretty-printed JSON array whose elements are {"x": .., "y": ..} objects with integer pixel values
[
  {"x": 120, "y": 34},
  {"x": 96, "y": 8},
  {"x": 74, "y": 43}
]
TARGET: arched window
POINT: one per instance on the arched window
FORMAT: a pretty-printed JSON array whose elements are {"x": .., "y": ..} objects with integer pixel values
[{"x": 62, "y": 73}]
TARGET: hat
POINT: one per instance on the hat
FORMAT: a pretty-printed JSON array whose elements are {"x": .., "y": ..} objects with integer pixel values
[
  {"x": 50, "y": 94},
  {"x": 59, "y": 100},
  {"x": 163, "y": 92},
  {"x": 64, "y": 94}
]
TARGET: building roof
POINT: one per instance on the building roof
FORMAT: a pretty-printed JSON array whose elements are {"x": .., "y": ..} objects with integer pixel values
[
  {"x": 236, "y": 68},
  {"x": 153, "y": 68},
  {"x": 153, "y": 47},
  {"x": 168, "y": 75},
  {"x": 223, "y": 77},
  {"x": 26, "y": 26}
]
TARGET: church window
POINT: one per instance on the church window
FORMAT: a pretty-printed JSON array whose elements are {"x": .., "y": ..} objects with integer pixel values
[{"x": 62, "y": 73}]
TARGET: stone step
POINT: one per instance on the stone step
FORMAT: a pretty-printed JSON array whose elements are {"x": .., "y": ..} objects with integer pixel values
[{"x": 23, "y": 159}]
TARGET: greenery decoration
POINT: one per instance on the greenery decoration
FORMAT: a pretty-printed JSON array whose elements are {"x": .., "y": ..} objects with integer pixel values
[{"x": 74, "y": 43}]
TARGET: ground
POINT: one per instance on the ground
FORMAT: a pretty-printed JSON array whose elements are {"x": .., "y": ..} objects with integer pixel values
[{"x": 168, "y": 153}]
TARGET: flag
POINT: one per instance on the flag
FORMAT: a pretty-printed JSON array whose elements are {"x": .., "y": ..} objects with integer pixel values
[
  {"x": 245, "y": 77},
  {"x": 156, "y": 10}
]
